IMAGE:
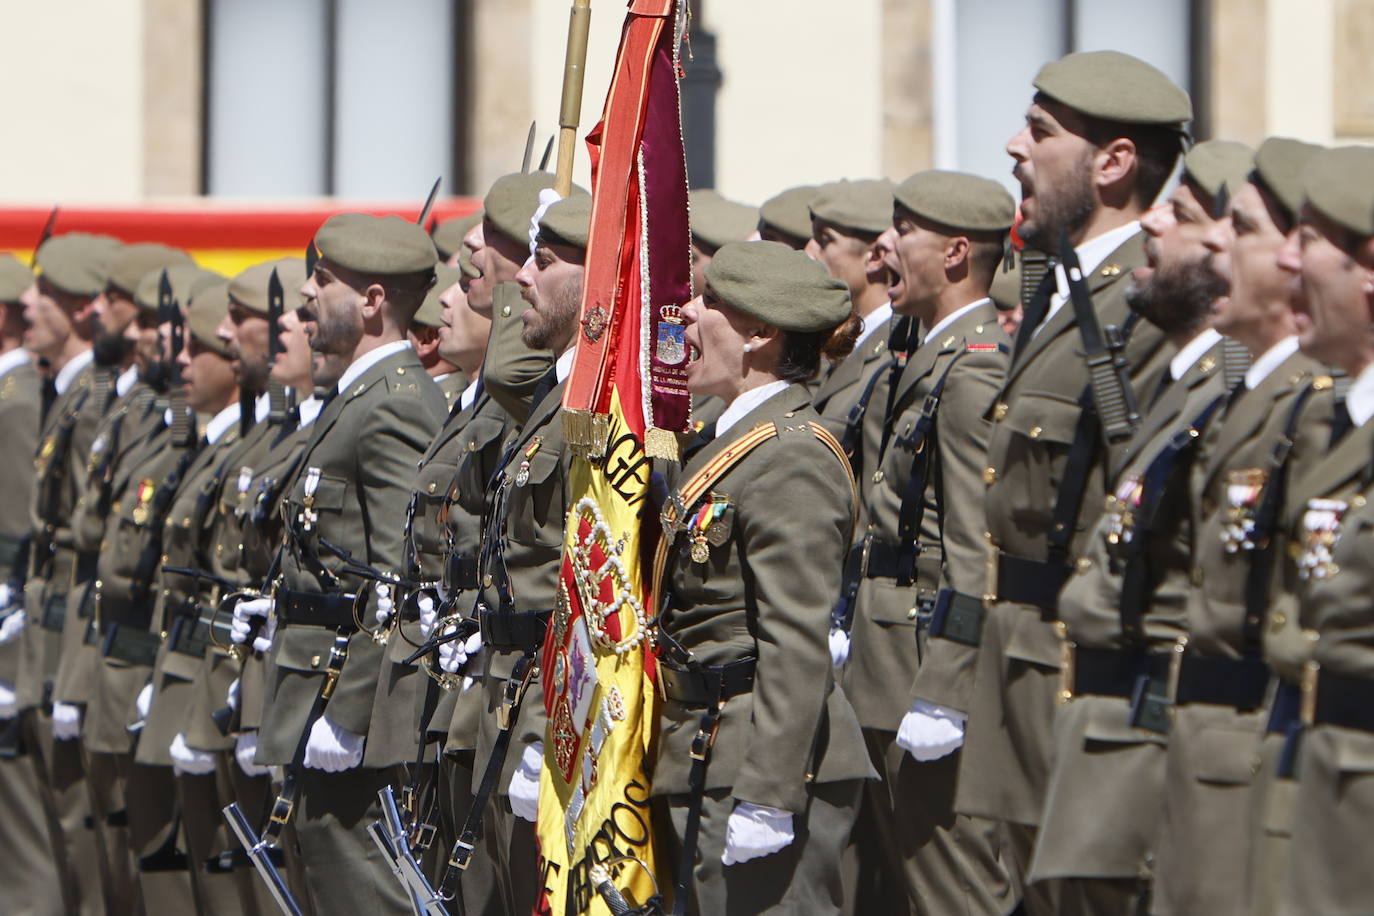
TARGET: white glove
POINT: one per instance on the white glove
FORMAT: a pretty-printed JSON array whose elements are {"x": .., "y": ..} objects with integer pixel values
[
  {"x": 839, "y": 647},
  {"x": 188, "y": 761},
  {"x": 145, "y": 700},
  {"x": 11, "y": 626},
  {"x": 6, "y": 595},
  {"x": 524, "y": 783},
  {"x": 931, "y": 731},
  {"x": 453, "y": 655},
  {"x": 331, "y": 748},
  {"x": 9, "y": 703},
  {"x": 245, "y": 749},
  {"x": 429, "y": 615},
  {"x": 244, "y": 612},
  {"x": 382, "y": 615},
  {"x": 232, "y": 696},
  {"x": 755, "y": 830},
  {"x": 66, "y": 721}
]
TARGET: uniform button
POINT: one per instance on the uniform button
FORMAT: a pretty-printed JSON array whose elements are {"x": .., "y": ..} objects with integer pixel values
[
  {"x": 978, "y": 329},
  {"x": 911, "y": 614},
  {"x": 878, "y": 476},
  {"x": 432, "y": 486},
  {"x": 400, "y": 370},
  {"x": 989, "y": 475},
  {"x": 1276, "y": 622},
  {"x": 314, "y": 661},
  {"x": 1255, "y": 764},
  {"x": 1357, "y": 501},
  {"x": 505, "y": 311},
  {"x": 472, "y": 446},
  {"x": 486, "y": 581},
  {"x": 1084, "y": 564}
]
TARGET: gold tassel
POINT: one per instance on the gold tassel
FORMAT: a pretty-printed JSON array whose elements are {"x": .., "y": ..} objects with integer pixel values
[
  {"x": 661, "y": 443},
  {"x": 585, "y": 432}
]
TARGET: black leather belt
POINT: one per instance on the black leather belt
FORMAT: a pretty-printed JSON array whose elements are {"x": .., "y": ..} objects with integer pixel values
[
  {"x": 700, "y": 686},
  {"x": 1033, "y": 582},
  {"x": 131, "y": 645},
  {"x": 86, "y": 564},
  {"x": 1238, "y": 682},
  {"x": 460, "y": 572},
  {"x": 1116, "y": 672},
  {"x": 958, "y": 617},
  {"x": 508, "y": 630},
  {"x": 1345, "y": 701},
  {"x": 333, "y": 610}
]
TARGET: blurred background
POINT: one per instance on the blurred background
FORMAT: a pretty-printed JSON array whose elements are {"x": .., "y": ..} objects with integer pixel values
[{"x": 127, "y": 101}]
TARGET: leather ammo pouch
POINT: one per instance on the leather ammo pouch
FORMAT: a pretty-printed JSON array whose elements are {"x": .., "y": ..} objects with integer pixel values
[
  {"x": 512, "y": 631},
  {"x": 1141, "y": 677},
  {"x": 54, "y": 613},
  {"x": 131, "y": 645},
  {"x": 958, "y": 617}
]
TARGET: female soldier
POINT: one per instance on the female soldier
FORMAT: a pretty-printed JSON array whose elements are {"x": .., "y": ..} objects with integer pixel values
[{"x": 760, "y": 757}]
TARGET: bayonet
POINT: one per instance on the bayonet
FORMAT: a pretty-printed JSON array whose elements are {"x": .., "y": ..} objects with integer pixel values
[
  {"x": 529, "y": 151},
  {"x": 312, "y": 255},
  {"x": 265, "y": 858},
  {"x": 46, "y": 234},
  {"x": 278, "y": 399},
  {"x": 429, "y": 203},
  {"x": 544, "y": 159}
]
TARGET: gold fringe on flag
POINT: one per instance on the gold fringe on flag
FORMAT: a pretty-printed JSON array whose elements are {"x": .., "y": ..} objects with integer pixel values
[
  {"x": 585, "y": 432},
  {"x": 661, "y": 443}
]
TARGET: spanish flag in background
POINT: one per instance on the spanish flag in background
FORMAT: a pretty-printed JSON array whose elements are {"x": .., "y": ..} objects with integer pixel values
[{"x": 624, "y": 405}]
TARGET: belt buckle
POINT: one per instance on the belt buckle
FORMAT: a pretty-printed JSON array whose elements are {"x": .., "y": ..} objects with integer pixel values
[
  {"x": 282, "y": 809},
  {"x": 462, "y": 855}
]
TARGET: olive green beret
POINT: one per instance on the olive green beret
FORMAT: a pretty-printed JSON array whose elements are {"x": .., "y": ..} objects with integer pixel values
[
  {"x": 1216, "y": 164},
  {"x": 186, "y": 281},
  {"x": 716, "y": 221},
  {"x": 1339, "y": 184},
  {"x": 249, "y": 288},
  {"x": 376, "y": 245},
  {"x": 1115, "y": 87},
  {"x": 513, "y": 199},
  {"x": 779, "y": 285},
  {"x": 135, "y": 261},
  {"x": 15, "y": 277},
  {"x": 863, "y": 206},
  {"x": 431, "y": 311},
  {"x": 209, "y": 305},
  {"x": 789, "y": 212},
  {"x": 77, "y": 263},
  {"x": 567, "y": 222},
  {"x": 958, "y": 200},
  {"x": 1279, "y": 165},
  {"x": 449, "y": 235}
]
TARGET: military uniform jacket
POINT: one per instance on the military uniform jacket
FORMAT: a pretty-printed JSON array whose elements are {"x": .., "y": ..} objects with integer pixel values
[
  {"x": 529, "y": 538},
  {"x": 511, "y": 370},
  {"x": 185, "y": 606},
  {"x": 850, "y": 380},
  {"x": 64, "y": 443},
  {"x": 766, "y": 592},
  {"x": 1228, "y": 491},
  {"x": 970, "y": 356},
  {"x": 363, "y": 448},
  {"x": 20, "y": 406},
  {"x": 1102, "y": 807},
  {"x": 444, "y": 480}
]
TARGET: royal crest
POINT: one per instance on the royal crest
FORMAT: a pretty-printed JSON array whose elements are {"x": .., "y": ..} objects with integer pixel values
[
  {"x": 594, "y": 324},
  {"x": 671, "y": 346}
]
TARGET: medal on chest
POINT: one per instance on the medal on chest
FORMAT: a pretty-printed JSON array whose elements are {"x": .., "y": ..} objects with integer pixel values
[
  {"x": 1121, "y": 510},
  {"x": 522, "y": 474},
  {"x": 1243, "y": 490},
  {"x": 706, "y": 527},
  {"x": 143, "y": 498},
  {"x": 309, "y": 516},
  {"x": 1321, "y": 529}
]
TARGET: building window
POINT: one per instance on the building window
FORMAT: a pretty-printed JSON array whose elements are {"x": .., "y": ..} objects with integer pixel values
[{"x": 355, "y": 98}]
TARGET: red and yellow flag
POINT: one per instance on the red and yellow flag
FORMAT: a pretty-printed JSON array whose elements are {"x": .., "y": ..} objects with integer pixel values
[{"x": 624, "y": 404}]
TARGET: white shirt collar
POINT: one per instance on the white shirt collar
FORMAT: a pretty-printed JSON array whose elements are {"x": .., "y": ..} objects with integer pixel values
[
  {"x": 1269, "y": 361},
  {"x": 14, "y": 359},
  {"x": 745, "y": 403},
  {"x": 1192, "y": 351},
  {"x": 367, "y": 361},
  {"x": 262, "y": 407},
  {"x": 1090, "y": 254},
  {"x": 221, "y": 422},
  {"x": 470, "y": 394},
  {"x": 1359, "y": 400},
  {"x": 68, "y": 373},
  {"x": 563, "y": 368},
  {"x": 309, "y": 409},
  {"x": 126, "y": 380},
  {"x": 953, "y": 317},
  {"x": 872, "y": 321}
]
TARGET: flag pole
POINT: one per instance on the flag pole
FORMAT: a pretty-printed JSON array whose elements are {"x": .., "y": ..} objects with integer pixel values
[{"x": 570, "y": 111}]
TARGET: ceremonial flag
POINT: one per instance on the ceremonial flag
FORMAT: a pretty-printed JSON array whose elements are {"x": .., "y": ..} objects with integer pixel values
[{"x": 625, "y": 402}]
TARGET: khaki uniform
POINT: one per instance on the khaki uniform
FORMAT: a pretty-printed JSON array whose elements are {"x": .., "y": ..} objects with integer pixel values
[
  {"x": 854, "y": 379},
  {"x": 949, "y": 862},
  {"x": 350, "y": 487},
  {"x": 755, "y": 598},
  {"x": 1102, "y": 808},
  {"x": 64, "y": 444},
  {"x": 1330, "y": 489},
  {"x": 1327, "y": 867},
  {"x": 1213, "y": 746},
  {"x": 29, "y": 869},
  {"x": 1035, "y": 420}
]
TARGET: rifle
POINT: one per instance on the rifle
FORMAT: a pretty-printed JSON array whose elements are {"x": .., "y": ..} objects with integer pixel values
[{"x": 170, "y": 312}]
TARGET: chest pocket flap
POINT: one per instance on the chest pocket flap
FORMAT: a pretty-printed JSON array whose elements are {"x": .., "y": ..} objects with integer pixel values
[
  {"x": 329, "y": 494},
  {"x": 1044, "y": 416}
]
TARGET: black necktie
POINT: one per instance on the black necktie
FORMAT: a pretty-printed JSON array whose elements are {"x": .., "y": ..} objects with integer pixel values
[
  {"x": 1035, "y": 311},
  {"x": 49, "y": 395},
  {"x": 546, "y": 384},
  {"x": 1164, "y": 384},
  {"x": 1340, "y": 423}
]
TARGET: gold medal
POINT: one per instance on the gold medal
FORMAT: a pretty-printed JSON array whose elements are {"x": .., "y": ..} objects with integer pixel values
[
  {"x": 700, "y": 552},
  {"x": 522, "y": 476}
]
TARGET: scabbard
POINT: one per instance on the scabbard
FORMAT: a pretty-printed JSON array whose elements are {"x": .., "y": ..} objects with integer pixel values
[{"x": 261, "y": 855}]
